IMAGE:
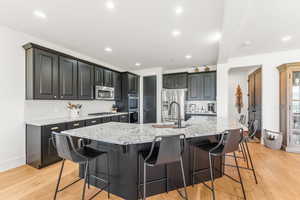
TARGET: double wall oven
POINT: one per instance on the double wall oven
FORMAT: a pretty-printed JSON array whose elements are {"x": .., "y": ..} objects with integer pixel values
[{"x": 133, "y": 108}]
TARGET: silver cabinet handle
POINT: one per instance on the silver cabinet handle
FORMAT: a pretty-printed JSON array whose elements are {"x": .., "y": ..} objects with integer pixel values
[
  {"x": 77, "y": 124},
  {"x": 54, "y": 128},
  {"x": 94, "y": 121},
  {"x": 54, "y": 97}
]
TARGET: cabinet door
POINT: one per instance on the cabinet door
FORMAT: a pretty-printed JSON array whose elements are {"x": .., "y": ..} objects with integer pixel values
[
  {"x": 132, "y": 84},
  {"x": 85, "y": 81},
  {"x": 99, "y": 76},
  {"x": 108, "y": 78},
  {"x": 124, "y": 118},
  {"x": 49, "y": 153},
  {"x": 68, "y": 78},
  {"x": 169, "y": 82},
  {"x": 181, "y": 81},
  {"x": 92, "y": 122},
  {"x": 195, "y": 87},
  {"x": 118, "y": 86},
  {"x": 46, "y": 75},
  {"x": 209, "y": 86}
]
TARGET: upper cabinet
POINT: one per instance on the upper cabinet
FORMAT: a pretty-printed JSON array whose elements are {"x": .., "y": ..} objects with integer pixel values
[
  {"x": 53, "y": 75},
  {"x": 85, "y": 81},
  {"x": 117, "y": 79},
  {"x": 99, "y": 76},
  {"x": 132, "y": 83},
  {"x": 108, "y": 78},
  {"x": 67, "y": 78},
  {"x": 202, "y": 86},
  {"x": 175, "y": 81},
  {"x": 41, "y": 75}
]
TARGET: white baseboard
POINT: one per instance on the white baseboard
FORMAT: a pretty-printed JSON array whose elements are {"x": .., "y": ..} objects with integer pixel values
[{"x": 12, "y": 163}]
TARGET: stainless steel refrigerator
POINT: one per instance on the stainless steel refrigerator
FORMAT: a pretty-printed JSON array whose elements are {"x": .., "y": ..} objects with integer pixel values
[{"x": 169, "y": 95}]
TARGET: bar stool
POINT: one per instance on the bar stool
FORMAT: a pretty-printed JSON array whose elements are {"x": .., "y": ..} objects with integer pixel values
[
  {"x": 229, "y": 143},
  {"x": 82, "y": 155},
  {"x": 246, "y": 139},
  {"x": 164, "y": 150}
]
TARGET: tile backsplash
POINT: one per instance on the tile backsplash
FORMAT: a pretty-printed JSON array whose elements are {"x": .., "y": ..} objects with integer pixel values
[
  {"x": 36, "y": 109},
  {"x": 199, "y": 105}
]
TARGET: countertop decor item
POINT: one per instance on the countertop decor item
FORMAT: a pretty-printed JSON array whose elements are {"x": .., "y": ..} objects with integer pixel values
[
  {"x": 206, "y": 68},
  {"x": 196, "y": 69},
  {"x": 74, "y": 110},
  {"x": 239, "y": 98}
]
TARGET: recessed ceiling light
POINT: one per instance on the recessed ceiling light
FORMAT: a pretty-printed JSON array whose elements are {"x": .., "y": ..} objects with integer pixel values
[
  {"x": 108, "y": 49},
  {"x": 138, "y": 64},
  {"x": 188, "y": 56},
  {"x": 110, "y": 5},
  {"x": 247, "y": 43},
  {"x": 286, "y": 38},
  {"x": 176, "y": 33},
  {"x": 215, "y": 37},
  {"x": 178, "y": 10},
  {"x": 39, "y": 14}
]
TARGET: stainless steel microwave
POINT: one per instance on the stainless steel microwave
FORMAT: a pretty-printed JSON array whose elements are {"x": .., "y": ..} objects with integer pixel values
[{"x": 104, "y": 93}]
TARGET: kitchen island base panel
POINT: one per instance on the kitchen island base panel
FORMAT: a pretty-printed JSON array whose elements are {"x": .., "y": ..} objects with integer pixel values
[{"x": 124, "y": 173}]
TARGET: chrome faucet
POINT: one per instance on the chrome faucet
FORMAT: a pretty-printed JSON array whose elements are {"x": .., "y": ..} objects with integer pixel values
[{"x": 179, "y": 114}]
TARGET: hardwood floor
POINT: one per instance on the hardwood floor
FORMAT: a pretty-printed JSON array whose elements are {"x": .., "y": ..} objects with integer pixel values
[{"x": 278, "y": 175}]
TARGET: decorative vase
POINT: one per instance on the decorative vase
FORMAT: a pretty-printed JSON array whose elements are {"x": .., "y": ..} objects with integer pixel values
[{"x": 74, "y": 113}]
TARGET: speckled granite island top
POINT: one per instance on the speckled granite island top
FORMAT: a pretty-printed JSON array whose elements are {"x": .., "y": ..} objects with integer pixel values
[{"x": 124, "y": 133}]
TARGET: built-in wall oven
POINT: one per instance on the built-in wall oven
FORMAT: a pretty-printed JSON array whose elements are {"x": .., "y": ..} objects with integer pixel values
[
  {"x": 104, "y": 93},
  {"x": 133, "y": 108}
]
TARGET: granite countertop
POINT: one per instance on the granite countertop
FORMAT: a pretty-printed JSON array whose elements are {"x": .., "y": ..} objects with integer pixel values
[
  {"x": 124, "y": 133},
  {"x": 201, "y": 113},
  {"x": 44, "y": 122}
]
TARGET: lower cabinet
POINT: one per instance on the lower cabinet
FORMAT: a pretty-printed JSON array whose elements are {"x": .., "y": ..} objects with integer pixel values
[{"x": 40, "y": 146}]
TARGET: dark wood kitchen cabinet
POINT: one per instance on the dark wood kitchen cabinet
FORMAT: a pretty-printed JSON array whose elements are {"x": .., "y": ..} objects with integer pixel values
[
  {"x": 117, "y": 85},
  {"x": 53, "y": 75},
  {"x": 175, "y": 81},
  {"x": 108, "y": 78},
  {"x": 202, "y": 86},
  {"x": 68, "y": 78},
  {"x": 85, "y": 81},
  {"x": 104, "y": 77},
  {"x": 41, "y": 74},
  {"x": 40, "y": 149},
  {"x": 133, "y": 83},
  {"x": 99, "y": 76}
]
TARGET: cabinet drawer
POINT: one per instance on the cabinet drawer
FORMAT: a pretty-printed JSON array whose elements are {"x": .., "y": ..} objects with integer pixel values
[
  {"x": 92, "y": 122},
  {"x": 115, "y": 118},
  {"x": 73, "y": 125},
  {"x": 124, "y": 118},
  {"x": 106, "y": 119}
]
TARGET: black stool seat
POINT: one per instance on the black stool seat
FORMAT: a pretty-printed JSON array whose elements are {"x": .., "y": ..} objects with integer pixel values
[
  {"x": 228, "y": 143},
  {"x": 153, "y": 157},
  {"x": 210, "y": 146},
  {"x": 164, "y": 150},
  {"x": 86, "y": 151},
  {"x": 82, "y": 155}
]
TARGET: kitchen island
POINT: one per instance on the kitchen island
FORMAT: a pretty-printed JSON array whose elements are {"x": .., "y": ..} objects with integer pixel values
[{"x": 124, "y": 141}]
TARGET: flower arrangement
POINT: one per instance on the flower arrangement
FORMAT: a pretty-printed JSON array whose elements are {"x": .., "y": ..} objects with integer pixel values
[{"x": 74, "y": 109}]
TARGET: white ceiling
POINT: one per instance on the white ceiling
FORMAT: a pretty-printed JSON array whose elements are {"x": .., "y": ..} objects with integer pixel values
[
  {"x": 261, "y": 22},
  {"x": 136, "y": 30},
  {"x": 140, "y": 30}
]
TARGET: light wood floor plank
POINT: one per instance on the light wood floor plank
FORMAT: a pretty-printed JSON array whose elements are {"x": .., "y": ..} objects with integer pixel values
[{"x": 278, "y": 175}]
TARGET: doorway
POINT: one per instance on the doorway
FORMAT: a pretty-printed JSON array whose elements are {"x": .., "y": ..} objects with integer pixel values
[
  {"x": 149, "y": 99},
  {"x": 255, "y": 99}
]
